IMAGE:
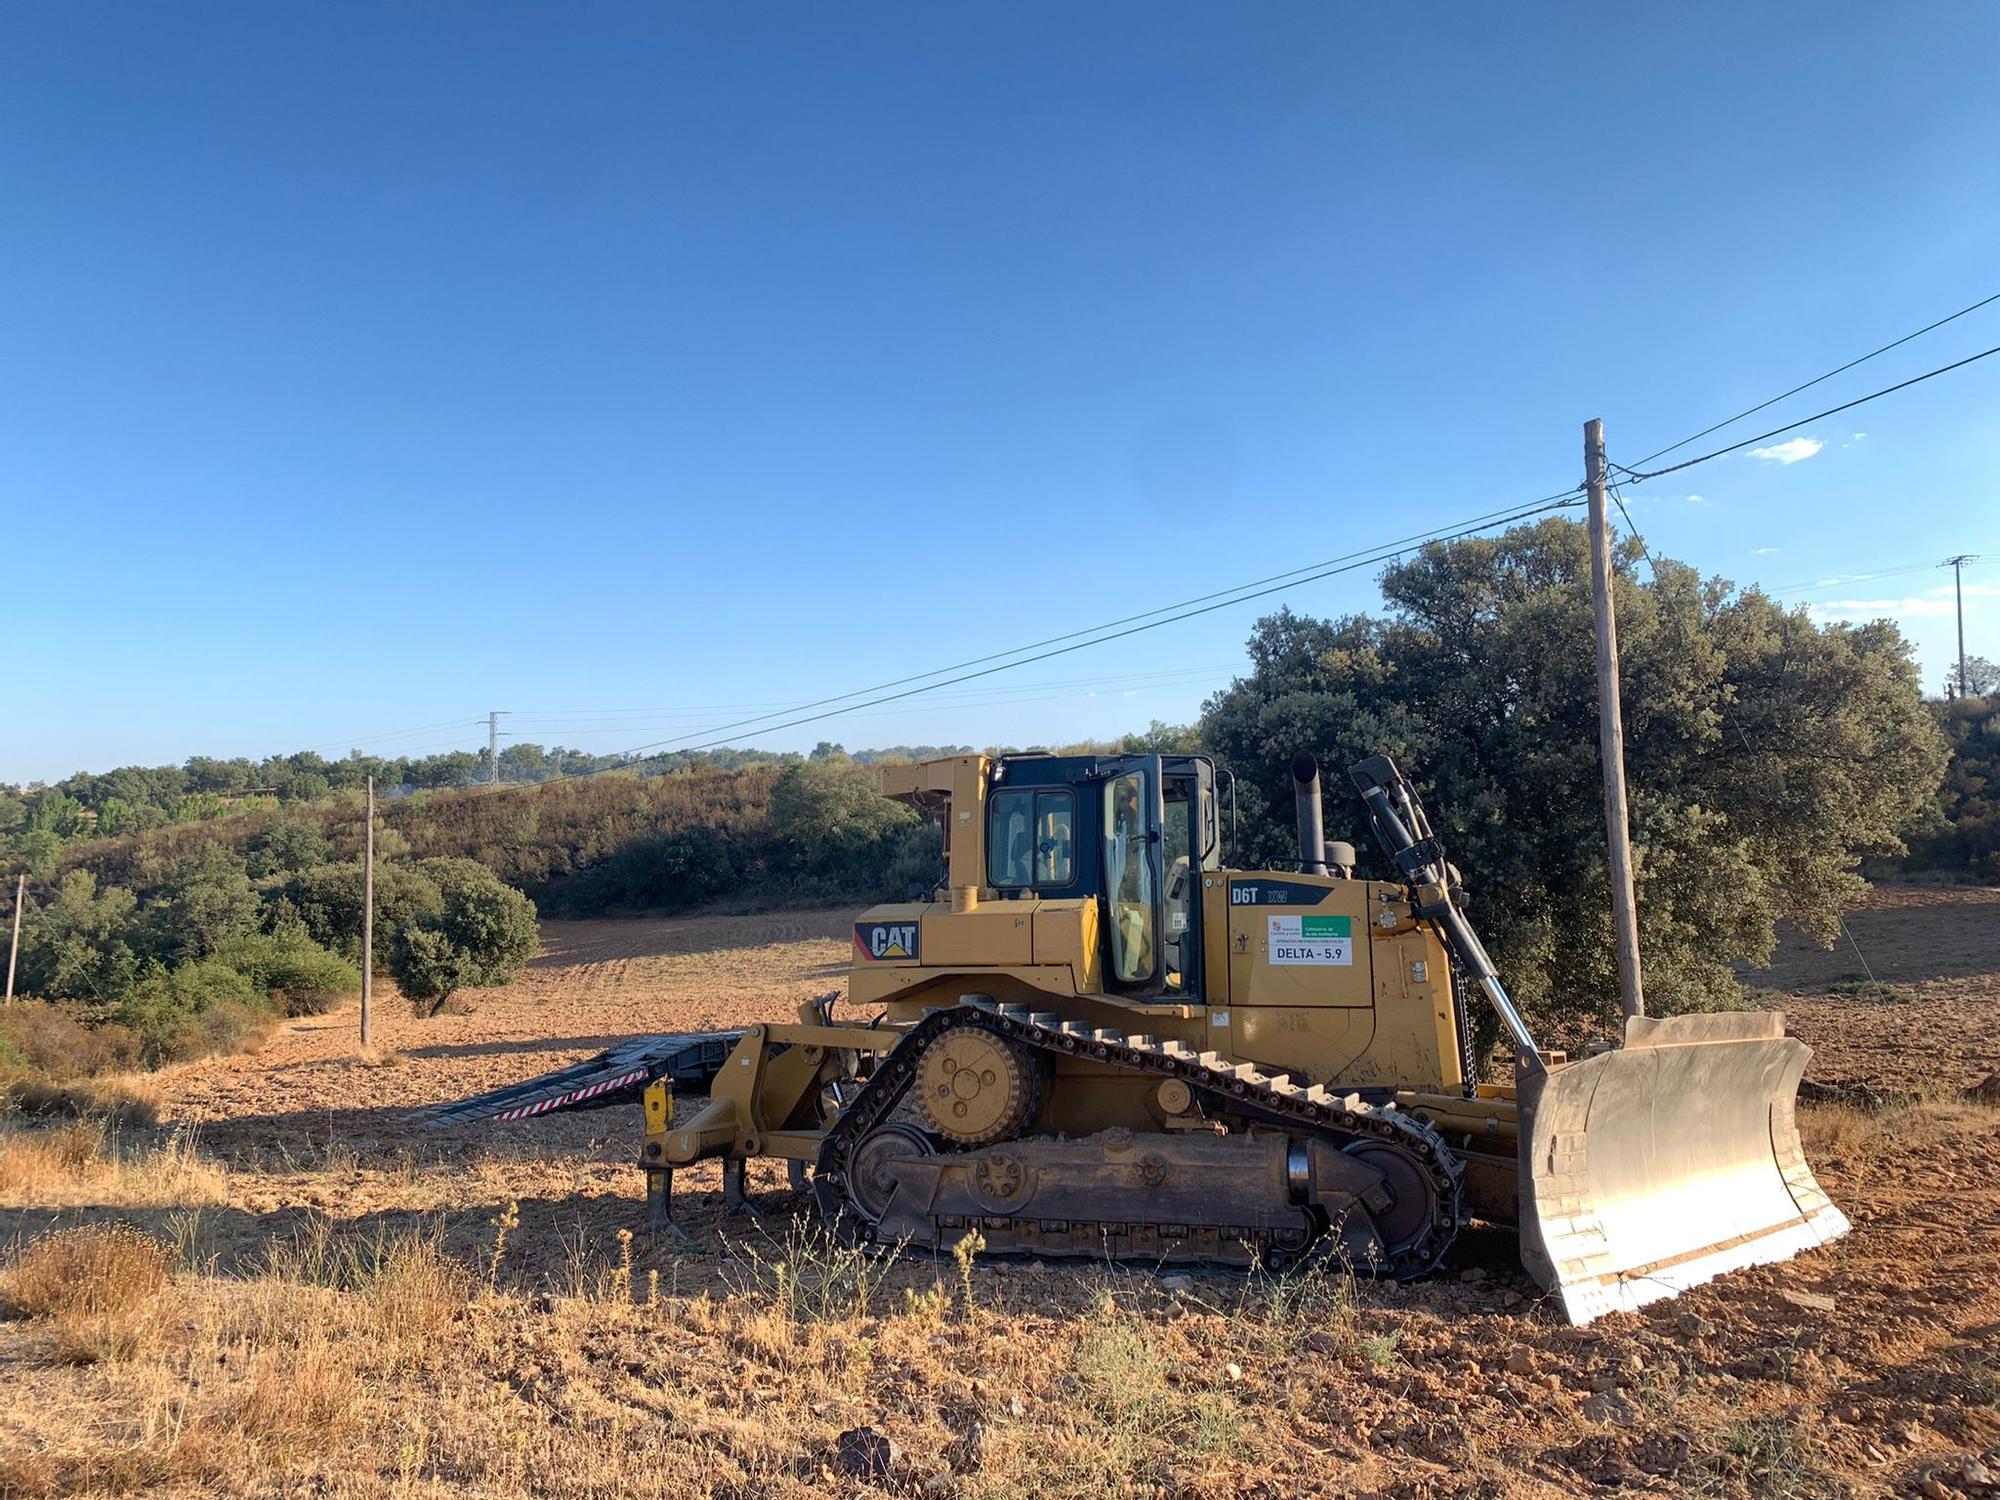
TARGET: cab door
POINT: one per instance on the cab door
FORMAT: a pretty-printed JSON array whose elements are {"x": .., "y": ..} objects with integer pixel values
[
  {"x": 1133, "y": 819},
  {"x": 1190, "y": 846}
]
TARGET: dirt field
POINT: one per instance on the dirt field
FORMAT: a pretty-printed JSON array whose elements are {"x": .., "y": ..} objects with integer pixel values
[{"x": 359, "y": 1305}]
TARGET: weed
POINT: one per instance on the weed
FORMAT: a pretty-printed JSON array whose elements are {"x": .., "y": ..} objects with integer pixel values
[
  {"x": 1982, "y": 1379},
  {"x": 1773, "y": 1461},
  {"x": 621, "y": 1282},
  {"x": 1378, "y": 1350},
  {"x": 1218, "y": 1424},
  {"x": 1870, "y": 989},
  {"x": 965, "y": 1252},
  {"x": 308, "y": 1258},
  {"x": 293, "y": 1400},
  {"x": 98, "y": 1268},
  {"x": 1311, "y": 1309},
  {"x": 508, "y": 1221},
  {"x": 87, "y": 1161},
  {"x": 1119, "y": 1364},
  {"x": 927, "y": 1308},
  {"x": 30, "y": 1159},
  {"x": 811, "y": 1277}
]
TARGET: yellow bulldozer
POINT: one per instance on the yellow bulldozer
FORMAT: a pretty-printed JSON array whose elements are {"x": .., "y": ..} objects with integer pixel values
[{"x": 1093, "y": 1038}]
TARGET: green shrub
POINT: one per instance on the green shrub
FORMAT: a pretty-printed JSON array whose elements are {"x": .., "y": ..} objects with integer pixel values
[
  {"x": 82, "y": 942},
  {"x": 287, "y": 849},
  {"x": 301, "y": 978},
  {"x": 832, "y": 819},
  {"x": 915, "y": 861},
  {"x": 205, "y": 902},
  {"x": 328, "y": 902},
  {"x": 483, "y": 933},
  {"x": 660, "y": 872},
  {"x": 196, "y": 1008}
]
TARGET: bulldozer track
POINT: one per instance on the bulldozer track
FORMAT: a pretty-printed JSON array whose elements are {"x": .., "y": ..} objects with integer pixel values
[{"x": 1239, "y": 1090}]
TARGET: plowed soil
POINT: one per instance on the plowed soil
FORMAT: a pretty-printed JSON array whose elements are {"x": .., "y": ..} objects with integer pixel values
[{"x": 1869, "y": 1368}]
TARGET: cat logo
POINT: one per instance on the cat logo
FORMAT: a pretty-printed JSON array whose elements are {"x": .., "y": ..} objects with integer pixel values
[{"x": 885, "y": 942}]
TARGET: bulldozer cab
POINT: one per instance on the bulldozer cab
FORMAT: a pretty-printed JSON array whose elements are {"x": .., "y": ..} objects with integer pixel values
[{"x": 1131, "y": 832}]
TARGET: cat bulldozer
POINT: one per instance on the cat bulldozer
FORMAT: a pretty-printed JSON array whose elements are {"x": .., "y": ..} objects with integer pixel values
[{"x": 1093, "y": 1038}]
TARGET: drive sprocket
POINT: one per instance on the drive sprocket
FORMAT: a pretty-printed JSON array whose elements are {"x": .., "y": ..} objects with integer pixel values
[{"x": 974, "y": 1088}]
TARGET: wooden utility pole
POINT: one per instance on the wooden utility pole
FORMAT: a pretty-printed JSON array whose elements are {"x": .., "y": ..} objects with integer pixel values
[
  {"x": 1957, "y": 566},
  {"x": 14, "y": 952},
  {"x": 1611, "y": 732},
  {"x": 368, "y": 925}
]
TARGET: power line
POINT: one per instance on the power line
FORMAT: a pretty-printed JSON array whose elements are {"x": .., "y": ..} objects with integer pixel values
[
  {"x": 1291, "y": 575},
  {"x": 1832, "y": 411},
  {"x": 1346, "y": 564},
  {"x": 1817, "y": 379},
  {"x": 666, "y": 718},
  {"x": 1380, "y": 554},
  {"x": 1843, "y": 580},
  {"x": 392, "y": 734}
]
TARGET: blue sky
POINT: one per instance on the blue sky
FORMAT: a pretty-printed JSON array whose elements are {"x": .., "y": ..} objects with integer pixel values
[{"x": 363, "y": 368}]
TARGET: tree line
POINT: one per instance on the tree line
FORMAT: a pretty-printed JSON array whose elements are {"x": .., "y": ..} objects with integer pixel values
[{"x": 37, "y": 819}]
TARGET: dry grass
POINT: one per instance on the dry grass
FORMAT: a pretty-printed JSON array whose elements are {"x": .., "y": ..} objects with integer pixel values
[
  {"x": 124, "y": 1099},
  {"x": 1860, "y": 1144},
  {"x": 97, "y": 1268},
  {"x": 417, "y": 1292},
  {"x": 97, "y": 1287},
  {"x": 95, "y": 1162}
]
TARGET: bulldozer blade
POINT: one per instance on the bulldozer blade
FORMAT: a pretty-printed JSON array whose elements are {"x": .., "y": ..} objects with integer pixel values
[
  {"x": 1663, "y": 1163},
  {"x": 611, "y": 1077}
]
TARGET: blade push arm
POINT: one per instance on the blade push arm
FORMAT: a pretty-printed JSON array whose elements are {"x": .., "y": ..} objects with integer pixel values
[{"x": 1404, "y": 832}]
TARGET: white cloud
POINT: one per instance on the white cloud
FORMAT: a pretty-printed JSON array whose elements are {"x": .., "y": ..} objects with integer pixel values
[
  {"x": 1697, "y": 499},
  {"x": 1791, "y": 451},
  {"x": 1763, "y": 551},
  {"x": 1932, "y": 604},
  {"x": 1859, "y": 436}
]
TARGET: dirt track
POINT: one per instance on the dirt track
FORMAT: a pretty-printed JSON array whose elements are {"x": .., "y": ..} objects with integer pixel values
[{"x": 1863, "y": 1370}]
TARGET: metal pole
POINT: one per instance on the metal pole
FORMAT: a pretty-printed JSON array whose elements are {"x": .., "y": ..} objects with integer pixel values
[
  {"x": 368, "y": 925},
  {"x": 493, "y": 746},
  {"x": 14, "y": 952},
  {"x": 1611, "y": 733}
]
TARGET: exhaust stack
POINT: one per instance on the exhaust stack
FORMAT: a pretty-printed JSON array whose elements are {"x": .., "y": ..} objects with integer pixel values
[{"x": 1312, "y": 831}]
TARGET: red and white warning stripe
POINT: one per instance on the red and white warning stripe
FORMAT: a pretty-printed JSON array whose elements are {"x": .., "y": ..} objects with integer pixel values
[{"x": 522, "y": 1112}]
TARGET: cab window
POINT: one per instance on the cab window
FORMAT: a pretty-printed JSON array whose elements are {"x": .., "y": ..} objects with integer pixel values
[{"x": 1031, "y": 838}]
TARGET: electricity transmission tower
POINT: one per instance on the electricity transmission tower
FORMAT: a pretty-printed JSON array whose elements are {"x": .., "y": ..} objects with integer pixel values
[{"x": 493, "y": 745}]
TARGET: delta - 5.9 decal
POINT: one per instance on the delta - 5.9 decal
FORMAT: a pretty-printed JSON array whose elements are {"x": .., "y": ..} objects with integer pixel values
[
  {"x": 1312, "y": 940},
  {"x": 886, "y": 942}
]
